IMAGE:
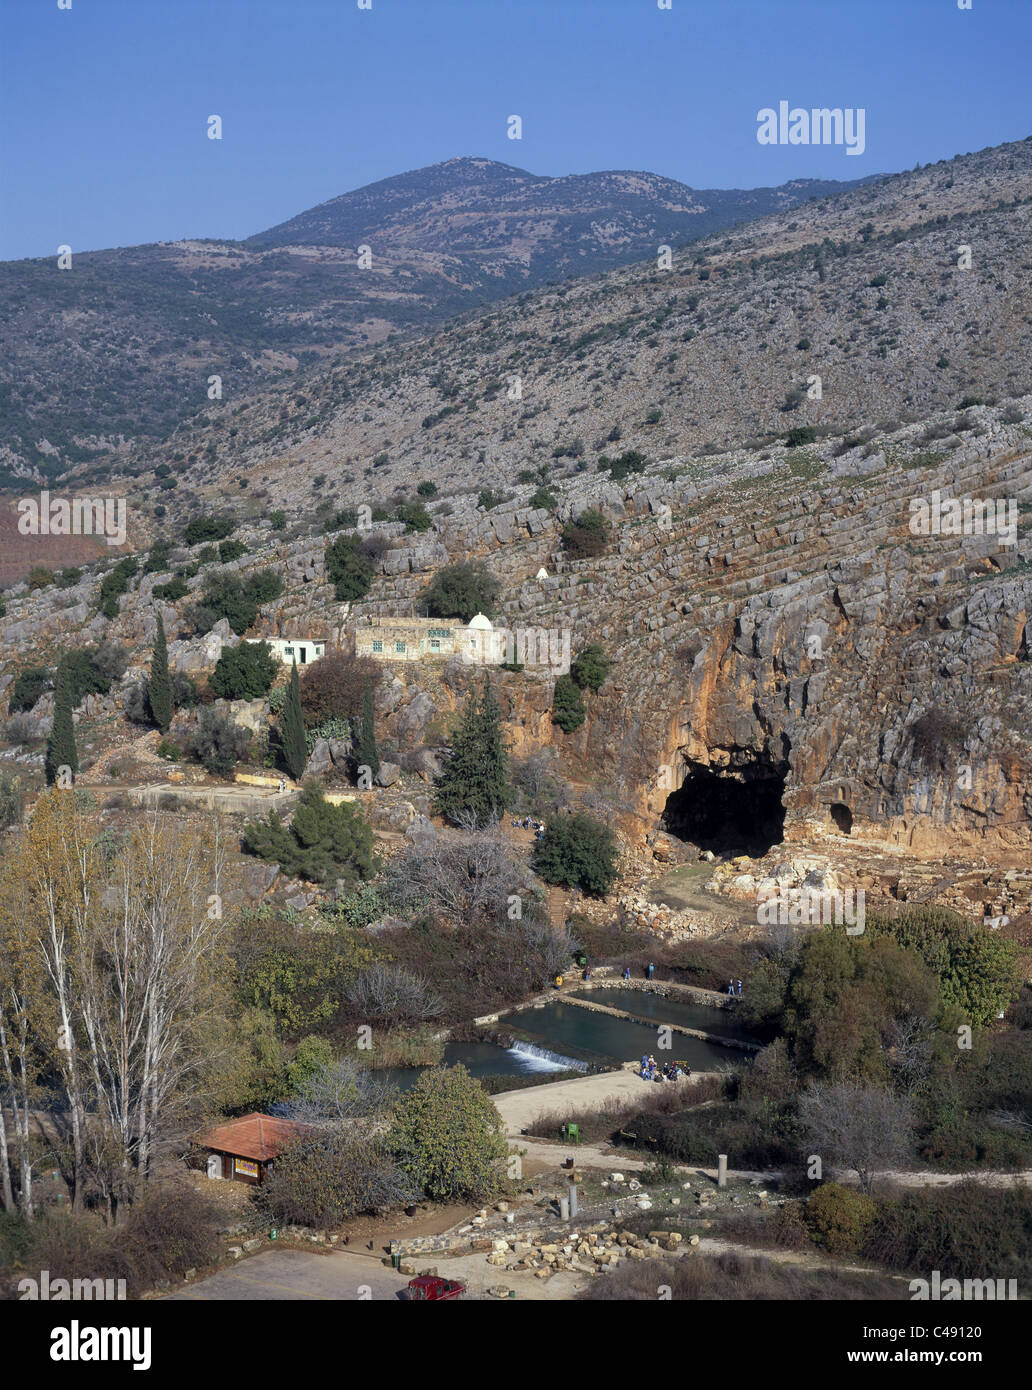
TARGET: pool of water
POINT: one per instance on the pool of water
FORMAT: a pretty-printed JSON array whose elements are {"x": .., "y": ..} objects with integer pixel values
[
  {"x": 479, "y": 1059},
  {"x": 672, "y": 1009},
  {"x": 559, "y": 1026}
]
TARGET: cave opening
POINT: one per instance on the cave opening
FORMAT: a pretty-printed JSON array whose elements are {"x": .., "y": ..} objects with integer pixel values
[
  {"x": 842, "y": 816},
  {"x": 729, "y": 811}
]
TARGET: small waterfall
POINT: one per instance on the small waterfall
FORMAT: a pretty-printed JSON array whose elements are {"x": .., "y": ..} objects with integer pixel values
[{"x": 546, "y": 1060}]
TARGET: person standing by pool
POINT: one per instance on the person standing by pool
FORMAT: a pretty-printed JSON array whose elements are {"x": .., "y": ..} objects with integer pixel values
[
  {"x": 739, "y": 989},
  {"x": 651, "y": 970},
  {"x": 731, "y": 988}
]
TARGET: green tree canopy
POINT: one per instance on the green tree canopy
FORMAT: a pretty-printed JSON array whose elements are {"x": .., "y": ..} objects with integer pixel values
[
  {"x": 292, "y": 729},
  {"x": 461, "y": 591},
  {"x": 568, "y": 709},
  {"x": 348, "y": 568},
  {"x": 448, "y": 1136},
  {"x": 579, "y": 852},
  {"x": 159, "y": 686},
  {"x": 475, "y": 783},
  {"x": 245, "y": 672},
  {"x": 323, "y": 843}
]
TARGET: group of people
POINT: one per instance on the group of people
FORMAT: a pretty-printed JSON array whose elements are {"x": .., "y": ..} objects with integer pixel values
[
  {"x": 650, "y": 971},
  {"x": 669, "y": 1071},
  {"x": 527, "y": 823},
  {"x": 731, "y": 989}
]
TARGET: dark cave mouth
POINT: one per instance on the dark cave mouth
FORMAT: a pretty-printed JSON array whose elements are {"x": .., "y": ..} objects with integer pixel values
[{"x": 729, "y": 812}]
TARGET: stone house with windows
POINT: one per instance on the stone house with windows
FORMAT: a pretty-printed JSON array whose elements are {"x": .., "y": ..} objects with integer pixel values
[{"x": 416, "y": 639}]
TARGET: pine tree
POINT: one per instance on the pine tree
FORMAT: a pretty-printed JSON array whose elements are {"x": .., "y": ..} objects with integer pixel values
[
  {"x": 61, "y": 750},
  {"x": 367, "y": 753},
  {"x": 159, "y": 687},
  {"x": 292, "y": 729},
  {"x": 476, "y": 781}
]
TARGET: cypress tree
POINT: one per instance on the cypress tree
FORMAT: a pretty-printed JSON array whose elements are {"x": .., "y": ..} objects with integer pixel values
[
  {"x": 61, "y": 750},
  {"x": 292, "y": 729},
  {"x": 367, "y": 753},
  {"x": 159, "y": 687},
  {"x": 476, "y": 780}
]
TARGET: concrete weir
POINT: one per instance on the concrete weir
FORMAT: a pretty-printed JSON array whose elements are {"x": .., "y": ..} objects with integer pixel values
[{"x": 714, "y": 1038}]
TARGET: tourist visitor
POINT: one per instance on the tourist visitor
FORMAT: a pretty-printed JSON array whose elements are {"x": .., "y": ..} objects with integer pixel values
[
  {"x": 651, "y": 970},
  {"x": 731, "y": 988},
  {"x": 558, "y": 982},
  {"x": 739, "y": 989},
  {"x": 627, "y": 972}
]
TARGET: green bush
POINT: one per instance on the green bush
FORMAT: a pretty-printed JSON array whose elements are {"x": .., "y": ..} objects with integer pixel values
[
  {"x": 28, "y": 686},
  {"x": 245, "y": 672},
  {"x": 588, "y": 535},
  {"x": 208, "y": 528},
  {"x": 171, "y": 592},
  {"x": 802, "y": 434},
  {"x": 415, "y": 516},
  {"x": 427, "y": 488},
  {"x": 448, "y": 1136},
  {"x": 460, "y": 591},
  {"x": 590, "y": 668},
  {"x": 348, "y": 569},
  {"x": 114, "y": 584},
  {"x": 839, "y": 1218},
  {"x": 568, "y": 709},
  {"x": 231, "y": 550},
  {"x": 578, "y": 852},
  {"x": 323, "y": 843},
  {"x": 977, "y": 969},
  {"x": 217, "y": 742},
  {"x": 967, "y": 1230}
]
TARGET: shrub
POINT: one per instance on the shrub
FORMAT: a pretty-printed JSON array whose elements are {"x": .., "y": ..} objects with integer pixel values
[
  {"x": 460, "y": 591},
  {"x": 802, "y": 434},
  {"x": 588, "y": 535},
  {"x": 323, "y": 843},
  {"x": 333, "y": 687},
  {"x": 208, "y": 528},
  {"x": 114, "y": 584},
  {"x": 393, "y": 995},
  {"x": 28, "y": 686},
  {"x": 348, "y": 569},
  {"x": 227, "y": 596},
  {"x": 568, "y": 710},
  {"x": 217, "y": 742},
  {"x": 590, "y": 668},
  {"x": 245, "y": 672},
  {"x": 415, "y": 516},
  {"x": 173, "y": 591},
  {"x": 839, "y": 1218},
  {"x": 12, "y": 800},
  {"x": 630, "y": 461},
  {"x": 448, "y": 1136},
  {"x": 427, "y": 489},
  {"x": 968, "y": 1230},
  {"x": 332, "y": 1175},
  {"x": 278, "y": 519},
  {"x": 40, "y": 578},
  {"x": 231, "y": 550},
  {"x": 578, "y": 852}
]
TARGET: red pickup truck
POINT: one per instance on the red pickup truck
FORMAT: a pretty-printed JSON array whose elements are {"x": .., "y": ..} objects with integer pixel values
[{"x": 429, "y": 1288}]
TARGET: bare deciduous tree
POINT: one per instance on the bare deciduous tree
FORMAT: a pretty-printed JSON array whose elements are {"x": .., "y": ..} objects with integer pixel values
[
  {"x": 860, "y": 1128},
  {"x": 392, "y": 993}
]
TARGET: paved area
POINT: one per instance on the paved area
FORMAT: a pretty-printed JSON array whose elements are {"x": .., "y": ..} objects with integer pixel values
[
  {"x": 288, "y": 1275},
  {"x": 519, "y": 1108}
]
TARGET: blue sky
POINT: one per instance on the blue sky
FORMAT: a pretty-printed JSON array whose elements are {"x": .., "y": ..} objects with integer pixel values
[{"x": 104, "y": 106}]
